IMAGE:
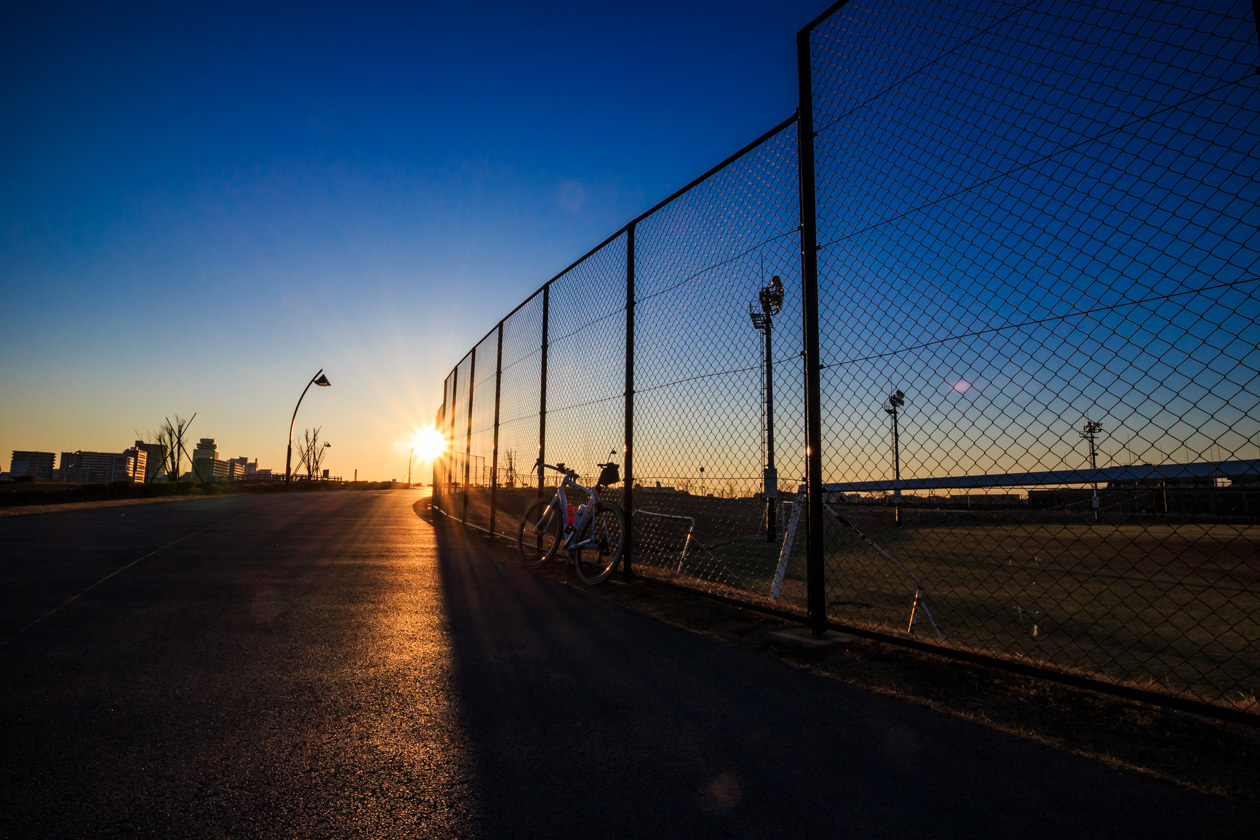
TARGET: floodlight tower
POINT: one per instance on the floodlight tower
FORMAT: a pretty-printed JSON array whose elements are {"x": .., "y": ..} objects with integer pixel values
[
  {"x": 771, "y": 303},
  {"x": 895, "y": 401},
  {"x": 1090, "y": 432}
]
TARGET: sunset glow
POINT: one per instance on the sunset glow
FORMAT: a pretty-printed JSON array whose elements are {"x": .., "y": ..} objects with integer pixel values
[{"x": 429, "y": 444}]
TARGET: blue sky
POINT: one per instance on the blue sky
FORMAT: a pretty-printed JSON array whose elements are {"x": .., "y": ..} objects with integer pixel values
[{"x": 202, "y": 206}]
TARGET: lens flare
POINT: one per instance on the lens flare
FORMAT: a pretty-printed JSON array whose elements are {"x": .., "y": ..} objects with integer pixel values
[{"x": 429, "y": 444}]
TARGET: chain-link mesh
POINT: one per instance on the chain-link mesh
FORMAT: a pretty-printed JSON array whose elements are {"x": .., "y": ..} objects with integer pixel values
[
  {"x": 1038, "y": 289},
  {"x": 1038, "y": 275},
  {"x": 586, "y": 373},
  {"x": 520, "y": 402},
  {"x": 481, "y": 442},
  {"x": 701, "y": 430},
  {"x": 457, "y": 496},
  {"x": 699, "y": 510}
]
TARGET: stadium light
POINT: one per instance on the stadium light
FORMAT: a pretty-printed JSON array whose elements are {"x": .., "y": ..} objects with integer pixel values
[
  {"x": 1090, "y": 432},
  {"x": 895, "y": 401},
  {"x": 770, "y": 299}
]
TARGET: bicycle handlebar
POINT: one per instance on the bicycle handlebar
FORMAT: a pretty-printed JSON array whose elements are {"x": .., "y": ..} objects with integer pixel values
[{"x": 561, "y": 468}]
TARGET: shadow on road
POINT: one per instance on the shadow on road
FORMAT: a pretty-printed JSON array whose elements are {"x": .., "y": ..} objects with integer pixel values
[{"x": 586, "y": 719}]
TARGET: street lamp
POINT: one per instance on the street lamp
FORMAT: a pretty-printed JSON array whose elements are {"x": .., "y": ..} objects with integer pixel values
[
  {"x": 895, "y": 401},
  {"x": 410, "y": 455},
  {"x": 326, "y": 445},
  {"x": 771, "y": 302},
  {"x": 322, "y": 381}
]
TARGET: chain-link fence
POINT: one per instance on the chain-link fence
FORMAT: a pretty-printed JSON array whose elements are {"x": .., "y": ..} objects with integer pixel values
[
  {"x": 694, "y": 435},
  {"x": 1027, "y": 312}
]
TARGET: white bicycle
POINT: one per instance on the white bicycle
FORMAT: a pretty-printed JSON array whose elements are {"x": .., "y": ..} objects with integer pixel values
[{"x": 593, "y": 534}]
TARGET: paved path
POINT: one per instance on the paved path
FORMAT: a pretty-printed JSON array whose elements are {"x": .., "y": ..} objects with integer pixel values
[{"x": 331, "y": 665}]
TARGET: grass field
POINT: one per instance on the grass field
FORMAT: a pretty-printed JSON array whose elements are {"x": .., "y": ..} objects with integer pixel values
[{"x": 1168, "y": 607}]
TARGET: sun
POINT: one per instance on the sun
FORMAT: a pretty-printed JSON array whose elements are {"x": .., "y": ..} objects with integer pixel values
[{"x": 429, "y": 444}]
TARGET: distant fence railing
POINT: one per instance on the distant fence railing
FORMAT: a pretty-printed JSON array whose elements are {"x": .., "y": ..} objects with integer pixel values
[{"x": 1018, "y": 251}]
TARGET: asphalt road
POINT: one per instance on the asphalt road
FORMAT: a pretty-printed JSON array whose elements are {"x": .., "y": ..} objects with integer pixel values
[{"x": 333, "y": 665}]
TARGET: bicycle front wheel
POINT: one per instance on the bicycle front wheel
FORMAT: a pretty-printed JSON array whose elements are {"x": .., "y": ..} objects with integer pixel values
[
  {"x": 538, "y": 535},
  {"x": 607, "y": 530}
]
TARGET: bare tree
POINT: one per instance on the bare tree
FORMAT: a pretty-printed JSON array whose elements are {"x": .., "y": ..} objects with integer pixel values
[
  {"x": 311, "y": 451},
  {"x": 510, "y": 477},
  {"x": 171, "y": 436}
]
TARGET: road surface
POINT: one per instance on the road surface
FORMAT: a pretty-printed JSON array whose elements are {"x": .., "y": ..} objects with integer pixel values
[{"x": 334, "y": 665}]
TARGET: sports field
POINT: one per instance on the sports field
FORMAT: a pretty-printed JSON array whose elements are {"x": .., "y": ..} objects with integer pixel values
[{"x": 1164, "y": 606}]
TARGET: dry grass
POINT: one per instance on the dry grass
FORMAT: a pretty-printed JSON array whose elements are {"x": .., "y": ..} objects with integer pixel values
[{"x": 1172, "y": 607}]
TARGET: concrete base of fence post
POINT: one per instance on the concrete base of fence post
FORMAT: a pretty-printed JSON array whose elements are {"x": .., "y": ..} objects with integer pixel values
[{"x": 803, "y": 637}]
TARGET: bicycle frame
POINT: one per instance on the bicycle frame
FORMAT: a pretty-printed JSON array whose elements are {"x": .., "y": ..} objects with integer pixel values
[{"x": 560, "y": 503}]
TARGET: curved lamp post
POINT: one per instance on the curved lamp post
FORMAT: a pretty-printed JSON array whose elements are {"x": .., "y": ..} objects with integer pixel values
[{"x": 322, "y": 381}]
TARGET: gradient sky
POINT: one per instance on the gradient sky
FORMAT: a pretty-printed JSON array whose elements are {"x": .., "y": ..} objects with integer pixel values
[{"x": 201, "y": 207}]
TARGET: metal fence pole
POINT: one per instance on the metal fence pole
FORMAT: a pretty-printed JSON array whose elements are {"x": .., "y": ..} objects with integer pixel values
[
  {"x": 442, "y": 476},
  {"x": 816, "y": 597},
  {"x": 542, "y": 396},
  {"x": 472, "y": 380},
  {"x": 494, "y": 453},
  {"x": 439, "y": 463},
  {"x": 628, "y": 499},
  {"x": 451, "y": 463}
]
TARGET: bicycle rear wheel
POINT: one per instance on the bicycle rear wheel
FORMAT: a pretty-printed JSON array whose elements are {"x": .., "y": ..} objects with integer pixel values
[
  {"x": 538, "y": 535},
  {"x": 607, "y": 528}
]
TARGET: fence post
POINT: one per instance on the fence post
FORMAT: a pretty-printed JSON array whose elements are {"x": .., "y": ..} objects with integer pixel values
[
  {"x": 494, "y": 453},
  {"x": 472, "y": 380},
  {"x": 542, "y": 396},
  {"x": 439, "y": 426},
  {"x": 628, "y": 499},
  {"x": 452, "y": 462},
  {"x": 816, "y": 593}
]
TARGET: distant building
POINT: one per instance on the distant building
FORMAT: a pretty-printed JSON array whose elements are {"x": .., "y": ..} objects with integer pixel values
[
  {"x": 102, "y": 467},
  {"x": 139, "y": 464},
  {"x": 211, "y": 471},
  {"x": 38, "y": 465},
  {"x": 208, "y": 469},
  {"x": 248, "y": 468},
  {"x": 985, "y": 500},
  {"x": 206, "y": 448},
  {"x": 155, "y": 458}
]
